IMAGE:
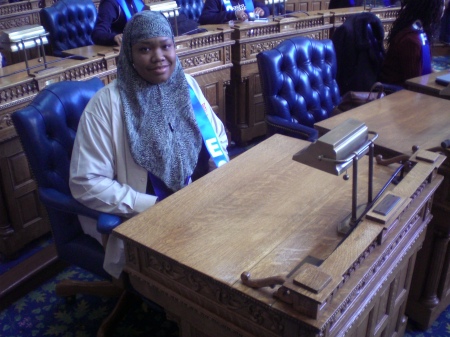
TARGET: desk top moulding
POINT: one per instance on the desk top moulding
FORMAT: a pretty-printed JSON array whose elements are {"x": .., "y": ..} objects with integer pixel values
[
  {"x": 17, "y": 88},
  {"x": 252, "y": 38}
]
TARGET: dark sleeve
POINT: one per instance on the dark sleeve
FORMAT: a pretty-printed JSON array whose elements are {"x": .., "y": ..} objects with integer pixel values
[
  {"x": 263, "y": 7},
  {"x": 108, "y": 12},
  {"x": 214, "y": 13},
  {"x": 410, "y": 52}
]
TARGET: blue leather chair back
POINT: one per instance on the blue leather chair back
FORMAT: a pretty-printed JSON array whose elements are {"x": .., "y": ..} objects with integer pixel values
[
  {"x": 191, "y": 8},
  {"x": 47, "y": 129},
  {"x": 298, "y": 79},
  {"x": 69, "y": 23}
]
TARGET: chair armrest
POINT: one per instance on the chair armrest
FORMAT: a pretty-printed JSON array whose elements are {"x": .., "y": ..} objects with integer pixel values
[
  {"x": 292, "y": 129},
  {"x": 391, "y": 88},
  {"x": 66, "y": 203},
  {"x": 107, "y": 222}
]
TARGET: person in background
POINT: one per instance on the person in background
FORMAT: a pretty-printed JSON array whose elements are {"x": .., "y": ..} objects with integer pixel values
[
  {"x": 112, "y": 17},
  {"x": 144, "y": 136},
  {"x": 409, "y": 39},
  {"x": 114, "y": 14},
  {"x": 223, "y": 11}
]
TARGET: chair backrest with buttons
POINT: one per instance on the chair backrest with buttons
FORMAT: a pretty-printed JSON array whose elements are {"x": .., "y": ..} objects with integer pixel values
[
  {"x": 69, "y": 23},
  {"x": 47, "y": 128},
  {"x": 298, "y": 79}
]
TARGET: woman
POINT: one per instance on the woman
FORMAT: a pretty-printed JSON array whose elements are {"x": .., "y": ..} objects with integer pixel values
[
  {"x": 138, "y": 139},
  {"x": 409, "y": 40},
  {"x": 223, "y": 11}
]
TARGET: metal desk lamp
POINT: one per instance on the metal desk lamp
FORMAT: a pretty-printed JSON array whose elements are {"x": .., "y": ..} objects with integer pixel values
[
  {"x": 335, "y": 152},
  {"x": 23, "y": 38}
]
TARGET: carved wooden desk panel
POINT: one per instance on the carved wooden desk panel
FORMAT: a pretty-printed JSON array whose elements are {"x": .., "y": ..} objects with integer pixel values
[
  {"x": 305, "y": 5},
  {"x": 265, "y": 214},
  {"x": 403, "y": 120},
  {"x": 207, "y": 57}
]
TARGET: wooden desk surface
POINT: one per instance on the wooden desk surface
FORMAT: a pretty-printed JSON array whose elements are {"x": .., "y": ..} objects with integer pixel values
[
  {"x": 427, "y": 84},
  {"x": 92, "y": 51},
  {"x": 261, "y": 212},
  {"x": 402, "y": 119}
]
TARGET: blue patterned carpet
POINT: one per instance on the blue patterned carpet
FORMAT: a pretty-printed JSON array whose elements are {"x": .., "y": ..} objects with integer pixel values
[{"x": 42, "y": 313}]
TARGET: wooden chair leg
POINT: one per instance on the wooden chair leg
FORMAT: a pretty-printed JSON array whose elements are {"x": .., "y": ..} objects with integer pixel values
[
  {"x": 112, "y": 319},
  {"x": 68, "y": 288}
]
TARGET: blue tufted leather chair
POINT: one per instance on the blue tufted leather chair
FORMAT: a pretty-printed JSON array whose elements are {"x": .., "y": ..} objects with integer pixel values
[
  {"x": 299, "y": 87},
  {"x": 47, "y": 129},
  {"x": 69, "y": 23},
  {"x": 191, "y": 8}
]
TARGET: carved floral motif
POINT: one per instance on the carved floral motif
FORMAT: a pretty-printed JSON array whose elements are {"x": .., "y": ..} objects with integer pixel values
[{"x": 203, "y": 59}]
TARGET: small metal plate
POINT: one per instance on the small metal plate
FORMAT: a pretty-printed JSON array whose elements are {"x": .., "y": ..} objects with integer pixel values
[{"x": 387, "y": 204}]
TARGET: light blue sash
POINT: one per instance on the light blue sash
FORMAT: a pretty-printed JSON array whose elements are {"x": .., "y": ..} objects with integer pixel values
[
  {"x": 210, "y": 138},
  {"x": 139, "y": 5},
  {"x": 248, "y": 5}
]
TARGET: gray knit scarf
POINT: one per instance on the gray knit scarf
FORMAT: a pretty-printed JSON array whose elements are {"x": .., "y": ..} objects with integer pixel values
[{"x": 163, "y": 135}]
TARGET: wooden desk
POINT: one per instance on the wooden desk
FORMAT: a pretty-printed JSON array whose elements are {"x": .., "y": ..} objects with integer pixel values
[
  {"x": 404, "y": 119},
  {"x": 426, "y": 84},
  {"x": 264, "y": 213}
]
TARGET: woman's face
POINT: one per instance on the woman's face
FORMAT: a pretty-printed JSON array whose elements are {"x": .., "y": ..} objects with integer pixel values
[{"x": 154, "y": 59}]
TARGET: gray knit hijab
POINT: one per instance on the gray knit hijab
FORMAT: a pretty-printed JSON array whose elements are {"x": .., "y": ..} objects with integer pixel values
[{"x": 163, "y": 135}]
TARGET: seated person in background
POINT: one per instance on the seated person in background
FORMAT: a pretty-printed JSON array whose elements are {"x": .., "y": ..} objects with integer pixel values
[
  {"x": 223, "y": 11},
  {"x": 114, "y": 14},
  {"x": 409, "y": 39},
  {"x": 112, "y": 17},
  {"x": 141, "y": 137}
]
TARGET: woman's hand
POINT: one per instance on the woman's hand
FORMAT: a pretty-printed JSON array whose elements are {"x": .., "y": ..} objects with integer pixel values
[
  {"x": 259, "y": 12},
  {"x": 118, "y": 39},
  {"x": 241, "y": 15}
]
